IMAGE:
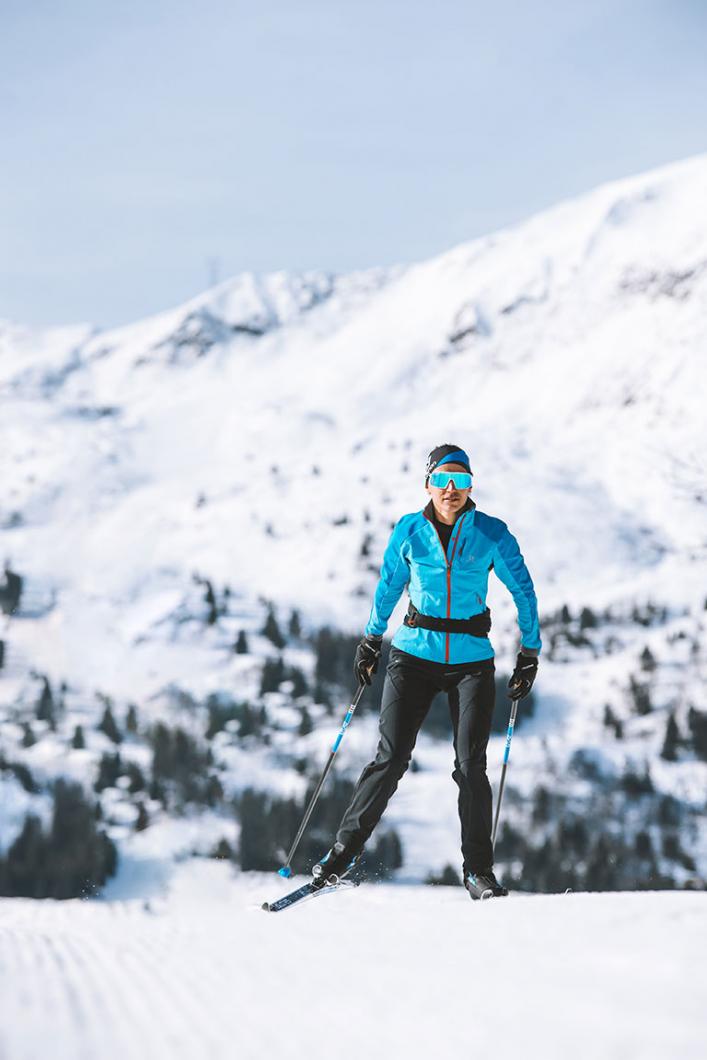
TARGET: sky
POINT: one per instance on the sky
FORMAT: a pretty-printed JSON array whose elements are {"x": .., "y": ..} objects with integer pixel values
[{"x": 149, "y": 148}]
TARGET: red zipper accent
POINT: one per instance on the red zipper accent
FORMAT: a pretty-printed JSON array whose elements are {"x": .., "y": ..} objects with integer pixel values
[
  {"x": 449, "y": 584},
  {"x": 449, "y": 577}
]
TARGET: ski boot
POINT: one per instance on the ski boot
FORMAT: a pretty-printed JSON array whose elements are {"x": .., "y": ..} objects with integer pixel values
[
  {"x": 483, "y": 884},
  {"x": 336, "y": 864}
]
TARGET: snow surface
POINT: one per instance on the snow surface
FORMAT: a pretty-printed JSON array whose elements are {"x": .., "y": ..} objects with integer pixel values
[{"x": 199, "y": 971}]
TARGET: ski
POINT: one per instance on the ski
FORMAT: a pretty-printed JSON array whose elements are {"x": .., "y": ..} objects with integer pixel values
[{"x": 308, "y": 890}]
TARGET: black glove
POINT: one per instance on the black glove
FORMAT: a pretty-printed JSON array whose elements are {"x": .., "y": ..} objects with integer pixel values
[
  {"x": 523, "y": 676},
  {"x": 368, "y": 655}
]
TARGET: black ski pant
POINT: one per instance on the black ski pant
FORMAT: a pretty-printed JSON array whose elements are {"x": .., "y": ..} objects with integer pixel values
[{"x": 410, "y": 686}]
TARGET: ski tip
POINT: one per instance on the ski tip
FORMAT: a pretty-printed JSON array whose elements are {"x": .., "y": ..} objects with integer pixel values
[
  {"x": 266, "y": 906},
  {"x": 285, "y": 871}
]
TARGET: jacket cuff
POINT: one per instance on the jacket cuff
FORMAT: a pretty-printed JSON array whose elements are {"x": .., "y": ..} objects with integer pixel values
[{"x": 534, "y": 653}]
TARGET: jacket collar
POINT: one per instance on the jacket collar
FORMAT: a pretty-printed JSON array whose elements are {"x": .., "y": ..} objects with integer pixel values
[{"x": 429, "y": 510}]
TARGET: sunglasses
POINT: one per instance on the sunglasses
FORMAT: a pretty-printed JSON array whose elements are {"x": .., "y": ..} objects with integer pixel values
[{"x": 460, "y": 479}]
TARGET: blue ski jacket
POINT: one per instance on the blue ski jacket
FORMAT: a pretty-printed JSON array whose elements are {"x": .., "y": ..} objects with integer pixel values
[{"x": 452, "y": 584}]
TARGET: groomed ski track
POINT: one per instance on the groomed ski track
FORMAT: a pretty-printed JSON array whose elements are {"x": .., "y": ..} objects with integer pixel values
[{"x": 202, "y": 972}]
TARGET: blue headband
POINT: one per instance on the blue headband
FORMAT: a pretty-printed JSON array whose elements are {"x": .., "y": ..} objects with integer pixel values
[{"x": 457, "y": 457}]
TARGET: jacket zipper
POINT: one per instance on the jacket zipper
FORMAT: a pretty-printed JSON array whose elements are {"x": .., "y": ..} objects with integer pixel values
[{"x": 448, "y": 563}]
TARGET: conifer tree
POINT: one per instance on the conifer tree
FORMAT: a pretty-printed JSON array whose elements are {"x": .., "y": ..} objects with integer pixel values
[
  {"x": 210, "y": 598},
  {"x": 213, "y": 794},
  {"x": 697, "y": 721},
  {"x": 109, "y": 769},
  {"x": 641, "y": 697},
  {"x": 45, "y": 704},
  {"x": 223, "y": 851},
  {"x": 327, "y": 655},
  {"x": 271, "y": 629},
  {"x": 179, "y": 765},
  {"x": 158, "y": 792},
  {"x": 109, "y": 726},
  {"x": 448, "y": 877},
  {"x": 142, "y": 821},
  {"x": 648, "y": 662},
  {"x": 20, "y": 869},
  {"x": 248, "y": 725},
  {"x": 273, "y": 675},
  {"x": 136, "y": 777},
  {"x": 299, "y": 682},
  {"x": 365, "y": 549},
  {"x": 161, "y": 751},
  {"x": 643, "y": 846},
  {"x": 672, "y": 739},
  {"x": 305, "y": 725},
  {"x": 612, "y": 722},
  {"x": 70, "y": 860}
]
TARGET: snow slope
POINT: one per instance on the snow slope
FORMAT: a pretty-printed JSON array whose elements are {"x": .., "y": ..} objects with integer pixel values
[
  {"x": 566, "y": 353},
  {"x": 268, "y": 433},
  {"x": 201, "y": 972}
]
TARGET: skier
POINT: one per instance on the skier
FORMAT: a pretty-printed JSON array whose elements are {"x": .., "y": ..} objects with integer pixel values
[{"x": 443, "y": 555}]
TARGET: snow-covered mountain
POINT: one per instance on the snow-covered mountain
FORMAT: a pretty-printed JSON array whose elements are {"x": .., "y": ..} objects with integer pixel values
[{"x": 266, "y": 435}]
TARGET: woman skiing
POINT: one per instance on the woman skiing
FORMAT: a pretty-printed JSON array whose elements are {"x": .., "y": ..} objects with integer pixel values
[{"x": 443, "y": 555}]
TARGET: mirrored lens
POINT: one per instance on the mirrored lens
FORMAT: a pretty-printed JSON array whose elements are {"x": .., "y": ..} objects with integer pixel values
[{"x": 441, "y": 479}]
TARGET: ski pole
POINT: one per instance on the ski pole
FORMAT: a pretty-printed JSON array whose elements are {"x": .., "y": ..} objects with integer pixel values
[
  {"x": 286, "y": 869},
  {"x": 506, "y": 754}
]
